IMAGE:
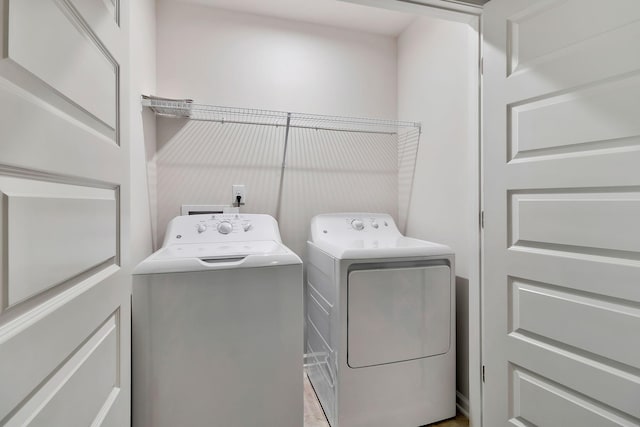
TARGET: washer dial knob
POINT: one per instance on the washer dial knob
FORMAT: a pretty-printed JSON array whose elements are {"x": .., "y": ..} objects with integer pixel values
[
  {"x": 202, "y": 228},
  {"x": 225, "y": 227},
  {"x": 357, "y": 224},
  {"x": 374, "y": 224}
]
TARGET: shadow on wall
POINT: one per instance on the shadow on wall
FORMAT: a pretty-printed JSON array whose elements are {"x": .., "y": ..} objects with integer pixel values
[
  {"x": 197, "y": 162},
  {"x": 326, "y": 171},
  {"x": 462, "y": 339}
]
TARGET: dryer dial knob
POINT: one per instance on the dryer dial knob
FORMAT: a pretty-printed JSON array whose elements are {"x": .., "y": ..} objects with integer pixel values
[
  {"x": 357, "y": 224},
  {"x": 374, "y": 224},
  {"x": 225, "y": 227},
  {"x": 246, "y": 226},
  {"x": 202, "y": 228}
]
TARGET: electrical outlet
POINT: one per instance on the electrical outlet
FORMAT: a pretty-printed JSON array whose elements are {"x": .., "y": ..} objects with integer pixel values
[{"x": 239, "y": 190}]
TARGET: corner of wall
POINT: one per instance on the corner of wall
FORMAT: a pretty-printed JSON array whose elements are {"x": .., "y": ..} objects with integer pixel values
[
  {"x": 142, "y": 126},
  {"x": 437, "y": 85}
]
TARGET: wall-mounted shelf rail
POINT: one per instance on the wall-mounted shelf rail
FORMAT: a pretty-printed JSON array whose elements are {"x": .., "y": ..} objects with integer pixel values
[
  {"x": 188, "y": 109},
  {"x": 354, "y": 148}
]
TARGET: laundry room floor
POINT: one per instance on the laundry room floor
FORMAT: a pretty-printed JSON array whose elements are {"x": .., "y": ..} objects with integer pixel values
[{"x": 314, "y": 417}]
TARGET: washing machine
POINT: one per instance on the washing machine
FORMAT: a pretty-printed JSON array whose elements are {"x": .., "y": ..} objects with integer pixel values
[
  {"x": 217, "y": 326},
  {"x": 380, "y": 319}
]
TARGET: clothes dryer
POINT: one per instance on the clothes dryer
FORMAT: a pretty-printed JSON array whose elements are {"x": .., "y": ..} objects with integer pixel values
[{"x": 380, "y": 323}]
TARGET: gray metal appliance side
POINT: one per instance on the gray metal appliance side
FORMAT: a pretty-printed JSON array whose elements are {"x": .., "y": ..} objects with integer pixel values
[
  {"x": 322, "y": 327},
  {"x": 164, "y": 303}
]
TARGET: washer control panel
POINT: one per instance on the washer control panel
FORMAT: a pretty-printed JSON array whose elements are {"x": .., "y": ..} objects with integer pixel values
[{"x": 221, "y": 228}]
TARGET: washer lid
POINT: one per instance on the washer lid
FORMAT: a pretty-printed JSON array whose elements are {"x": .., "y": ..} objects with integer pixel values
[
  {"x": 367, "y": 235},
  {"x": 217, "y": 256}
]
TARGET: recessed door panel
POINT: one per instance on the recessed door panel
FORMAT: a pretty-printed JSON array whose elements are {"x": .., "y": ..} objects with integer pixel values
[{"x": 398, "y": 314}]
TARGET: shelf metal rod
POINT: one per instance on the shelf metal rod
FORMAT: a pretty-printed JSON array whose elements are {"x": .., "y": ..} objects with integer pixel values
[
  {"x": 241, "y": 122},
  {"x": 284, "y": 164}
]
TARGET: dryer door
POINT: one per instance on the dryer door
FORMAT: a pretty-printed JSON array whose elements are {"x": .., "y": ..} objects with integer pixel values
[{"x": 398, "y": 314}]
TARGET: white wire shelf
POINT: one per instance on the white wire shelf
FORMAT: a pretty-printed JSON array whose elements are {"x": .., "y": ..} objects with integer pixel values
[{"x": 186, "y": 108}]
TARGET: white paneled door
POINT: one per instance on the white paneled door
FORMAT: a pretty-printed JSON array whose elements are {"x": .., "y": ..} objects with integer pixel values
[
  {"x": 561, "y": 324},
  {"x": 64, "y": 297}
]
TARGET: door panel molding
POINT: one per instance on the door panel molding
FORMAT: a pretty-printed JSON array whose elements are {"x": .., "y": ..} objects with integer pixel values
[
  {"x": 16, "y": 77},
  {"x": 514, "y": 36},
  {"x": 102, "y": 16},
  {"x": 49, "y": 346},
  {"x": 560, "y": 123},
  {"x": 64, "y": 220},
  {"x": 607, "y": 276},
  {"x": 612, "y": 65},
  {"x": 530, "y": 392},
  {"x": 602, "y": 223},
  {"x": 575, "y": 319},
  {"x": 30, "y": 62},
  {"x": 75, "y": 380},
  {"x": 540, "y": 31},
  {"x": 583, "y": 372},
  {"x": 60, "y": 130}
]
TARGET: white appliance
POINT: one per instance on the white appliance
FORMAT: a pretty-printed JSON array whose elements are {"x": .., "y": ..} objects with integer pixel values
[
  {"x": 218, "y": 326},
  {"x": 380, "y": 323}
]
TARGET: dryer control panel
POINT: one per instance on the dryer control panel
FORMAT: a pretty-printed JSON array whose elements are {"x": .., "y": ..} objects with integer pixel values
[
  {"x": 353, "y": 225},
  {"x": 213, "y": 228}
]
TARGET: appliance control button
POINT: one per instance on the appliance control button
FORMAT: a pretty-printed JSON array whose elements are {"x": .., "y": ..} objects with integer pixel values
[
  {"x": 225, "y": 227},
  {"x": 357, "y": 224},
  {"x": 247, "y": 226},
  {"x": 202, "y": 228},
  {"x": 374, "y": 224}
]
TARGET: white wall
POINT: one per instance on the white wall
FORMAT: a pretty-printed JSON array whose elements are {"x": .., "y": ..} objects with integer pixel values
[
  {"x": 233, "y": 59},
  {"x": 142, "y": 123},
  {"x": 436, "y": 59}
]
